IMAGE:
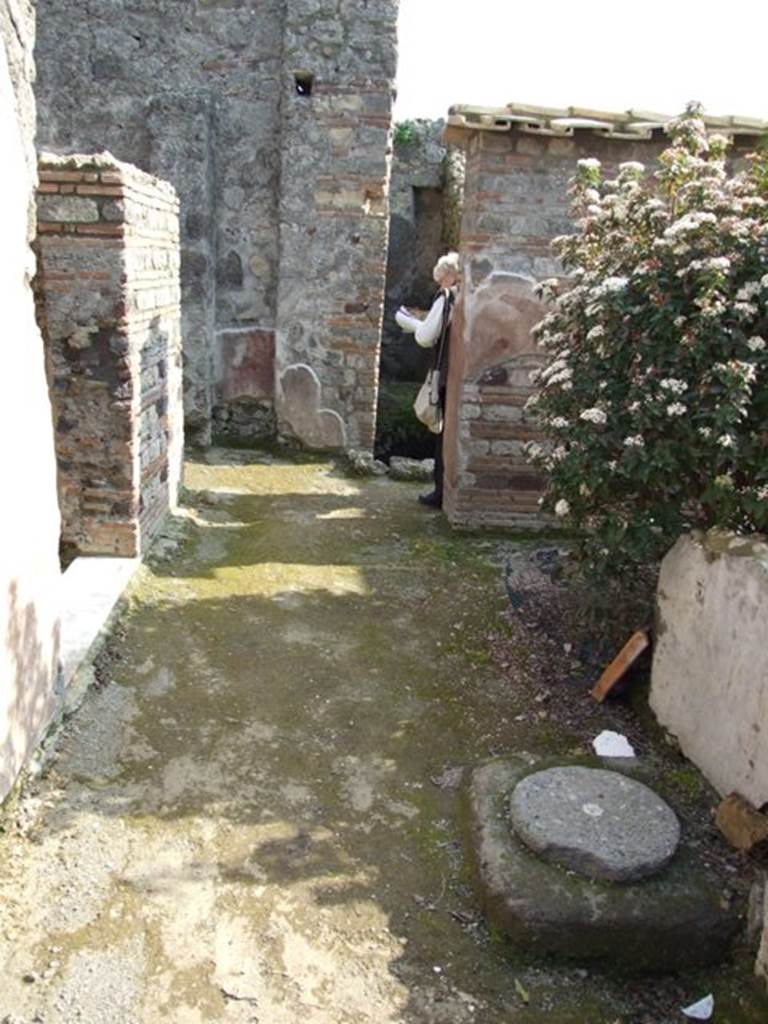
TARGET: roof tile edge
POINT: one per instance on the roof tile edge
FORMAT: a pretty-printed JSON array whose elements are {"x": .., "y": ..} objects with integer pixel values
[{"x": 640, "y": 124}]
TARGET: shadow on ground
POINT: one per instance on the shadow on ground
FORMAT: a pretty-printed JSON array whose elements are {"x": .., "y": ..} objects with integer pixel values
[{"x": 259, "y": 816}]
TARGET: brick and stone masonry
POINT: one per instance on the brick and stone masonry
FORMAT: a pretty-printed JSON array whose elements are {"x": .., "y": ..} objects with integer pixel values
[
  {"x": 515, "y": 203},
  {"x": 272, "y": 122},
  {"x": 518, "y": 168},
  {"x": 108, "y": 301},
  {"x": 425, "y": 196},
  {"x": 339, "y": 59}
]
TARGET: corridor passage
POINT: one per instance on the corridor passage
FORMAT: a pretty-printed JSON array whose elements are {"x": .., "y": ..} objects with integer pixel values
[{"x": 257, "y": 814}]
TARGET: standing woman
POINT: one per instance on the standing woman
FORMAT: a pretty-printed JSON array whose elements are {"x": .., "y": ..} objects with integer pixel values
[{"x": 434, "y": 330}]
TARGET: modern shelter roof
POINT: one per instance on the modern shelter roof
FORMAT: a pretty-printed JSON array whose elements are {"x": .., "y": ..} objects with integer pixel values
[{"x": 627, "y": 124}]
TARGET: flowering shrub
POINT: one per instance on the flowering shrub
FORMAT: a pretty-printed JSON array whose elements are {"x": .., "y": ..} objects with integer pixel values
[{"x": 655, "y": 396}]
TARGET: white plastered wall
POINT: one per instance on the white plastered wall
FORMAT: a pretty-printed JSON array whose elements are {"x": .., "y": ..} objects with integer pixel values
[{"x": 29, "y": 516}]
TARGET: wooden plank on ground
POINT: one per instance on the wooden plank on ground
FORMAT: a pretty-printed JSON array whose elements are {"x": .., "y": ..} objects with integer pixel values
[{"x": 626, "y": 657}]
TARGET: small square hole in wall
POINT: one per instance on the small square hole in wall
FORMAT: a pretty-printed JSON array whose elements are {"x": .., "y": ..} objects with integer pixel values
[{"x": 303, "y": 80}]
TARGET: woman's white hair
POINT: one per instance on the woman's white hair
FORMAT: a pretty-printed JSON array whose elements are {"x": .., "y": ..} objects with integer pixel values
[{"x": 448, "y": 264}]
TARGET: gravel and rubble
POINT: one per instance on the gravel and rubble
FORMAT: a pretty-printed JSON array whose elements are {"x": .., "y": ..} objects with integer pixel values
[{"x": 259, "y": 812}]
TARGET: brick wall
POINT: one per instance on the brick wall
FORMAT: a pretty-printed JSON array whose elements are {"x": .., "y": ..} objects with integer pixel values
[
  {"x": 488, "y": 479},
  {"x": 108, "y": 291},
  {"x": 515, "y": 203}
]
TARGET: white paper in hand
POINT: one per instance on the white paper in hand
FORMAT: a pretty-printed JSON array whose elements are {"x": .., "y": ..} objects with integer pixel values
[
  {"x": 702, "y": 1010},
  {"x": 612, "y": 744}
]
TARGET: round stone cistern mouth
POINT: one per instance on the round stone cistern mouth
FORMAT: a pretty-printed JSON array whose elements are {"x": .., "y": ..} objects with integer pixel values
[{"x": 595, "y": 822}]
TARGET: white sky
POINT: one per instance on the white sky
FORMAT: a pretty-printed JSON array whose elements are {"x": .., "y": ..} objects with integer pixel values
[{"x": 654, "y": 55}]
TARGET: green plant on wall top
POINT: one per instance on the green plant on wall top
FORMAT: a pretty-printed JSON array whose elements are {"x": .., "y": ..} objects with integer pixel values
[
  {"x": 405, "y": 133},
  {"x": 656, "y": 392}
]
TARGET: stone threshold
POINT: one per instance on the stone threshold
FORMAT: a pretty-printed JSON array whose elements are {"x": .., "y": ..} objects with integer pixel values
[{"x": 91, "y": 589}]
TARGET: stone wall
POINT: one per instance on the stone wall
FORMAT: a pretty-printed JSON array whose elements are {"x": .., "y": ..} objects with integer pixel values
[
  {"x": 282, "y": 187},
  {"x": 425, "y": 201},
  {"x": 188, "y": 92},
  {"x": 416, "y": 213},
  {"x": 709, "y": 684},
  {"x": 29, "y": 518},
  {"x": 109, "y": 296},
  {"x": 333, "y": 218}
]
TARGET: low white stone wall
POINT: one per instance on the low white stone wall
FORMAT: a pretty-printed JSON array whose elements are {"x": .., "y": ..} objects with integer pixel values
[{"x": 710, "y": 668}]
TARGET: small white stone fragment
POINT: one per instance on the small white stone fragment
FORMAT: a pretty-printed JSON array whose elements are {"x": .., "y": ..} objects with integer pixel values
[
  {"x": 612, "y": 744},
  {"x": 593, "y": 810},
  {"x": 702, "y": 1010}
]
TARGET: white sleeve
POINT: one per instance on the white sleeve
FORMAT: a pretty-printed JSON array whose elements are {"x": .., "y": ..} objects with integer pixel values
[
  {"x": 428, "y": 331},
  {"x": 407, "y": 321}
]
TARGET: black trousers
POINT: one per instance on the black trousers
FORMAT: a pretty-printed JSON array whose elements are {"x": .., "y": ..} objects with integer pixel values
[{"x": 439, "y": 464}]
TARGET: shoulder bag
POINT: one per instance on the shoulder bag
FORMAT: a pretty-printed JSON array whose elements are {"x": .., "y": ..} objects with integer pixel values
[{"x": 428, "y": 407}]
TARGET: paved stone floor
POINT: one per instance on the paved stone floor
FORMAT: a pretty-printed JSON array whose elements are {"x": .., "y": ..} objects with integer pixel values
[{"x": 256, "y": 817}]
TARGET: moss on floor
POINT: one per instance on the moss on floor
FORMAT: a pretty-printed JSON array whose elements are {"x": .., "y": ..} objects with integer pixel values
[{"x": 256, "y": 798}]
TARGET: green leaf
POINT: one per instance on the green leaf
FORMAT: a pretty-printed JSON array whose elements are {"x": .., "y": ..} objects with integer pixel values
[{"x": 522, "y": 991}]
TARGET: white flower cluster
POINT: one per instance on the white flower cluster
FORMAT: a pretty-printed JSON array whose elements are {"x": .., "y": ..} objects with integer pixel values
[
  {"x": 665, "y": 328},
  {"x": 570, "y": 299},
  {"x": 609, "y": 286},
  {"x": 690, "y": 222},
  {"x": 643, "y": 267},
  {"x": 673, "y": 385},
  {"x": 557, "y": 454},
  {"x": 547, "y": 290},
  {"x": 551, "y": 370},
  {"x": 589, "y": 164},
  {"x": 594, "y": 415},
  {"x": 748, "y": 291},
  {"x": 716, "y": 264},
  {"x": 710, "y": 308},
  {"x": 562, "y": 376},
  {"x": 724, "y": 480},
  {"x": 745, "y": 310}
]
